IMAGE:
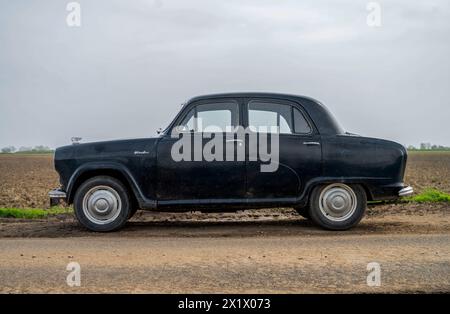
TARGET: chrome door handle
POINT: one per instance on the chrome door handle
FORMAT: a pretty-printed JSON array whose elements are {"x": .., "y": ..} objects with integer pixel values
[
  {"x": 311, "y": 143},
  {"x": 240, "y": 142}
]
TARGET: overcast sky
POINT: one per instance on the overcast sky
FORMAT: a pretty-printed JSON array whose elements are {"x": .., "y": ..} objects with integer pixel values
[{"x": 127, "y": 69}]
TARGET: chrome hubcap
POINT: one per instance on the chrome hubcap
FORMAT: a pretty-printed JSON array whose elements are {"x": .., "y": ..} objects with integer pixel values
[
  {"x": 337, "y": 202},
  {"x": 102, "y": 205}
]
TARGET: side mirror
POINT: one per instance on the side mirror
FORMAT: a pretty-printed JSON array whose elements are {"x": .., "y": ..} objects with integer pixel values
[
  {"x": 159, "y": 130},
  {"x": 76, "y": 140},
  {"x": 179, "y": 129}
]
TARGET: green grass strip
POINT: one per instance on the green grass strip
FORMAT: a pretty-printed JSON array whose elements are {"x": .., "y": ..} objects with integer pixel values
[
  {"x": 429, "y": 195},
  {"x": 32, "y": 213}
]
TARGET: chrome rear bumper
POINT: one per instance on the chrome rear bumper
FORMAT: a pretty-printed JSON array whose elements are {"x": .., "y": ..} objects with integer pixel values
[
  {"x": 406, "y": 191},
  {"x": 56, "y": 196}
]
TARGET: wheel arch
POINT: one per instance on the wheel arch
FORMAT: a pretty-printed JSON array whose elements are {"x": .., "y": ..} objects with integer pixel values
[
  {"x": 313, "y": 184},
  {"x": 112, "y": 170}
]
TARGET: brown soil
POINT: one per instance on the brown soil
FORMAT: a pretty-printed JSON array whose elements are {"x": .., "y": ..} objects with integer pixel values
[
  {"x": 428, "y": 169},
  {"x": 26, "y": 179}
]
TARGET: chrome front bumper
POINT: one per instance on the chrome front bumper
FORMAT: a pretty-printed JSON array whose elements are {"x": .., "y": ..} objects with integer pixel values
[
  {"x": 56, "y": 196},
  {"x": 406, "y": 191}
]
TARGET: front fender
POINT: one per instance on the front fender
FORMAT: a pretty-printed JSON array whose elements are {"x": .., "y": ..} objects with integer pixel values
[{"x": 91, "y": 169}]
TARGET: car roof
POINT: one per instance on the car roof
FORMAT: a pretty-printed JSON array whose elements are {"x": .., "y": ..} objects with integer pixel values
[
  {"x": 321, "y": 117},
  {"x": 252, "y": 94}
]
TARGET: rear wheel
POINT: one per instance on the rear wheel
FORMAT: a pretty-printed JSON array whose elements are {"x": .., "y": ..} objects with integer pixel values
[
  {"x": 102, "y": 204},
  {"x": 337, "y": 206}
]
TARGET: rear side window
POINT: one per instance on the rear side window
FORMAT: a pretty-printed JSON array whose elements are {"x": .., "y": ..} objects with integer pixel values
[
  {"x": 264, "y": 115},
  {"x": 301, "y": 125}
]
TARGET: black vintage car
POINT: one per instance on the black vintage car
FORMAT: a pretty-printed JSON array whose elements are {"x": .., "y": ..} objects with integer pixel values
[{"x": 325, "y": 173}]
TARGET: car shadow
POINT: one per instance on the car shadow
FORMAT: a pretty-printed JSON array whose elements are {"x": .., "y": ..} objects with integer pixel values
[
  {"x": 236, "y": 228},
  {"x": 194, "y": 228}
]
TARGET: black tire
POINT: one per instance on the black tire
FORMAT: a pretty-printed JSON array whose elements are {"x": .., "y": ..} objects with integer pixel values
[
  {"x": 112, "y": 186},
  {"x": 328, "y": 221},
  {"x": 133, "y": 211},
  {"x": 303, "y": 211}
]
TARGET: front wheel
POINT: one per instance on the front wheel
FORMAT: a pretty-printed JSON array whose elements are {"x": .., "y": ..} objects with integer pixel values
[
  {"x": 102, "y": 204},
  {"x": 303, "y": 211},
  {"x": 337, "y": 206}
]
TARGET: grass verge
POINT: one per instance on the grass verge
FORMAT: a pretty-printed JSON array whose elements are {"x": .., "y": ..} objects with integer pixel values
[
  {"x": 429, "y": 196},
  {"x": 33, "y": 213}
]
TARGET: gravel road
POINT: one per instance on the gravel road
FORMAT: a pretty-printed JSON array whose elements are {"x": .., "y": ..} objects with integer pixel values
[
  {"x": 409, "y": 263},
  {"x": 231, "y": 256}
]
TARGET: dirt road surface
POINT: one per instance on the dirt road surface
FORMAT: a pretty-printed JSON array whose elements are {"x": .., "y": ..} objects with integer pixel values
[
  {"x": 408, "y": 263},
  {"x": 249, "y": 252}
]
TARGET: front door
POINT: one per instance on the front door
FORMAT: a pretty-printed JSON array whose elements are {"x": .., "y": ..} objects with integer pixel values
[
  {"x": 299, "y": 150},
  {"x": 196, "y": 171}
]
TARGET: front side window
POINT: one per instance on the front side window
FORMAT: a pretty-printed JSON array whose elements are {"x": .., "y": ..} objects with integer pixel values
[{"x": 211, "y": 117}]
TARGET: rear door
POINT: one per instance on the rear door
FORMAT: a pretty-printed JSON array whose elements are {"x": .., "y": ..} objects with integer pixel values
[{"x": 299, "y": 150}]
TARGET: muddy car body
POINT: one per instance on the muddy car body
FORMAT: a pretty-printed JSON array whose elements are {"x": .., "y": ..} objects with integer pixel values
[{"x": 324, "y": 172}]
